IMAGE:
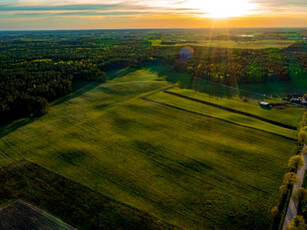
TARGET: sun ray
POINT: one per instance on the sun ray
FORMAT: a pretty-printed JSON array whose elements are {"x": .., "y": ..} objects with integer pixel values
[{"x": 222, "y": 8}]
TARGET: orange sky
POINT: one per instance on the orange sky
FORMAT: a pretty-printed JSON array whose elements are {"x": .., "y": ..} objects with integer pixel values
[{"x": 116, "y": 14}]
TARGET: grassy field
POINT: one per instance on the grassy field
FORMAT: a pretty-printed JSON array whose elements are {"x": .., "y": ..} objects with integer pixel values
[
  {"x": 290, "y": 116},
  {"x": 187, "y": 170},
  {"x": 76, "y": 204}
]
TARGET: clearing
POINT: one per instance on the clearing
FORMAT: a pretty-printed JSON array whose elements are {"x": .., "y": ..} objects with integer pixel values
[{"x": 187, "y": 170}]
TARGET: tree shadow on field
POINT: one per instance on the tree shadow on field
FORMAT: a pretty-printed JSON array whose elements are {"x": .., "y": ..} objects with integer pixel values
[
  {"x": 13, "y": 126},
  {"x": 79, "y": 89},
  {"x": 118, "y": 73},
  {"x": 186, "y": 81}
]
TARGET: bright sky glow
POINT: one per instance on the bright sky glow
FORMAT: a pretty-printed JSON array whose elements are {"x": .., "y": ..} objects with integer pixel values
[
  {"x": 75, "y": 14},
  {"x": 223, "y": 8}
]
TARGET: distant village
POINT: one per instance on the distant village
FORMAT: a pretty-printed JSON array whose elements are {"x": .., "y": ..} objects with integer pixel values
[{"x": 297, "y": 99}]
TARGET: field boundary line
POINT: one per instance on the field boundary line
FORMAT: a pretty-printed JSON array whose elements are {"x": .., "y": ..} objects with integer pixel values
[
  {"x": 205, "y": 115},
  {"x": 232, "y": 110},
  {"x": 257, "y": 94}
]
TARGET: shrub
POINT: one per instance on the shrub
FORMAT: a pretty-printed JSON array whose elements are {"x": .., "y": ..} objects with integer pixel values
[
  {"x": 296, "y": 163},
  {"x": 297, "y": 223},
  {"x": 302, "y": 136},
  {"x": 304, "y": 121},
  {"x": 40, "y": 106},
  {"x": 290, "y": 179}
]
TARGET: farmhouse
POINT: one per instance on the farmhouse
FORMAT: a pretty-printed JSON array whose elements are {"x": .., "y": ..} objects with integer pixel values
[
  {"x": 298, "y": 99},
  {"x": 265, "y": 105}
]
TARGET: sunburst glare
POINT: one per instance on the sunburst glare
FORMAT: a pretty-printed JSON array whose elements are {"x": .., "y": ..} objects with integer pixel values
[{"x": 222, "y": 8}]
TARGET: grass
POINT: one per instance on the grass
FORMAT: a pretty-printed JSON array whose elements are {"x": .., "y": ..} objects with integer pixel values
[
  {"x": 290, "y": 116},
  {"x": 80, "y": 206},
  {"x": 187, "y": 170}
]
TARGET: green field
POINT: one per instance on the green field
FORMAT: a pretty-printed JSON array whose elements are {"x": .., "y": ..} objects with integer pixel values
[
  {"x": 290, "y": 116},
  {"x": 187, "y": 170},
  {"x": 78, "y": 205}
]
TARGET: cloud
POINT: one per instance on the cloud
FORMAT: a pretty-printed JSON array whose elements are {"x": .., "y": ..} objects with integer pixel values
[
  {"x": 139, "y": 9},
  {"x": 154, "y": 6}
]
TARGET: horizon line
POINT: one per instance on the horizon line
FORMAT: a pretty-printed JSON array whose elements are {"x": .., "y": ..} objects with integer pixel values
[{"x": 105, "y": 29}]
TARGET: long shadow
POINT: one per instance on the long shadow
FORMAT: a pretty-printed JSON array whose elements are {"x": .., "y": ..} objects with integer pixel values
[
  {"x": 11, "y": 127},
  {"x": 118, "y": 73},
  {"x": 205, "y": 115},
  {"x": 186, "y": 81},
  {"x": 79, "y": 90},
  {"x": 232, "y": 110}
]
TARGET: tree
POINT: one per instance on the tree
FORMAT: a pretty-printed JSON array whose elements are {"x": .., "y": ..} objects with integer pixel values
[
  {"x": 290, "y": 179},
  {"x": 40, "y": 107},
  {"x": 302, "y": 136},
  {"x": 297, "y": 223},
  {"x": 296, "y": 162},
  {"x": 304, "y": 121},
  {"x": 300, "y": 196},
  {"x": 304, "y": 151}
]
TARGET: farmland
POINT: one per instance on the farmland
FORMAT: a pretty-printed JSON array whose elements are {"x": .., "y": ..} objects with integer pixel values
[
  {"x": 289, "y": 117},
  {"x": 214, "y": 171}
]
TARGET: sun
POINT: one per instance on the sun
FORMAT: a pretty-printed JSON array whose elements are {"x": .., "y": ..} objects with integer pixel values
[{"x": 222, "y": 8}]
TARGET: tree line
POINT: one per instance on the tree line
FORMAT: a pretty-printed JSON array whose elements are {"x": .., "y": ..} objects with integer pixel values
[
  {"x": 291, "y": 178},
  {"x": 32, "y": 73},
  {"x": 234, "y": 66}
]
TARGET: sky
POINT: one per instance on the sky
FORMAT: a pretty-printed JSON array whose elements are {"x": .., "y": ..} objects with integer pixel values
[{"x": 129, "y": 14}]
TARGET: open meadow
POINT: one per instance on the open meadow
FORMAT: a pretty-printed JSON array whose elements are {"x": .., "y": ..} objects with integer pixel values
[{"x": 188, "y": 164}]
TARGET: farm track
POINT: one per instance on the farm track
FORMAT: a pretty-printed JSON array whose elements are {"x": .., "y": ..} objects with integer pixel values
[
  {"x": 232, "y": 110},
  {"x": 204, "y": 115}
]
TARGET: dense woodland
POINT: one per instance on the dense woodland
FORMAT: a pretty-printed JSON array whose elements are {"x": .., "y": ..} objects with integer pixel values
[
  {"x": 37, "y": 68},
  {"x": 232, "y": 66}
]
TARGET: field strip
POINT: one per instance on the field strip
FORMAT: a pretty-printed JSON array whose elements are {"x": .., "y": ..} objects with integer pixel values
[
  {"x": 23, "y": 173},
  {"x": 204, "y": 115},
  {"x": 255, "y": 93},
  {"x": 232, "y": 110}
]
